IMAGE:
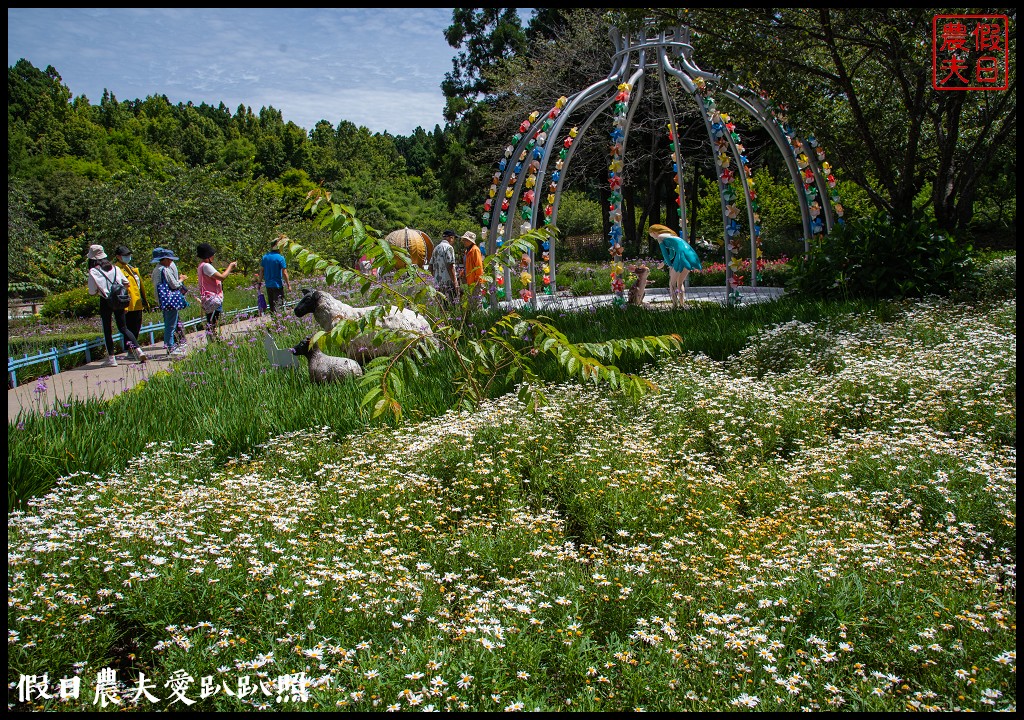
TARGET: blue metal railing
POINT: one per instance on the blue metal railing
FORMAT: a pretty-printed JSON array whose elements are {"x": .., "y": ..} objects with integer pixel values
[{"x": 53, "y": 355}]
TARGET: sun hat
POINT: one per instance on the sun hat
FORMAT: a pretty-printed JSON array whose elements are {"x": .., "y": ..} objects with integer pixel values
[
  {"x": 205, "y": 250},
  {"x": 96, "y": 253},
  {"x": 660, "y": 230},
  {"x": 469, "y": 235},
  {"x": 162, "y": 254},
  {"x": 122, "y": 251}
]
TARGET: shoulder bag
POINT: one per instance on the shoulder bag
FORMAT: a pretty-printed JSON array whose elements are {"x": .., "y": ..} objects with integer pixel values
[{"x": 169, "y": 298}]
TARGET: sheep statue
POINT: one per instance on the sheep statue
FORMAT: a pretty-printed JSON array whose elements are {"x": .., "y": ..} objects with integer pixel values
[
  {"x": 324, "y": 368},
  {"x": 329, "y": 311}
]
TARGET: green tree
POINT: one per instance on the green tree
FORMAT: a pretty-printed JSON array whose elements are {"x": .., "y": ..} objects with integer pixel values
[
  {"x": 508, "y": 353},
  {"x": 238, "y": 159},
  {"x": 486, "y": 38},
  {"x": 418, "y": 150},
  {"x": 23, "y": 237},
  {"x": 860, "y": 80},
  {"x": 191, "y": 206},
  {"x": 37, "y": 110}
]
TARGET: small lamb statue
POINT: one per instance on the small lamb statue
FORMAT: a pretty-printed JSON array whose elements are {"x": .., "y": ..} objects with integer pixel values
[
  {"x": 324, "y": 368},
  {"x": 639, "y": 288}
]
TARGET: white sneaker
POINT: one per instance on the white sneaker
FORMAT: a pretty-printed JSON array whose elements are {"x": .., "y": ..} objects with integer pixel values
[
  {"x": 176, "y": 351},
  {"x": 110, "y": 361}
]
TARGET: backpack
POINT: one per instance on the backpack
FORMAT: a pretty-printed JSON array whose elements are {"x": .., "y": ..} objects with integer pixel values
[{"x": 117, "y": 294}]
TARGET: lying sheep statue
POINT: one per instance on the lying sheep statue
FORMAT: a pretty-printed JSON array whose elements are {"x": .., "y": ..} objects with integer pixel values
[
  {"x": 329, "y": 311},
  {"x": 324, "y": 368}
]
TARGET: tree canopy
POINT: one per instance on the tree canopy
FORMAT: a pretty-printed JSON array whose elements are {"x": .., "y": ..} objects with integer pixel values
[{"x": 857, "y": 78}]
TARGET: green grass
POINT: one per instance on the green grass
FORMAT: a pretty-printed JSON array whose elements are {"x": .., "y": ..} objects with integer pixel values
[
  {"x": 816, "y": 511},
  {"x": 254, "y": 403}
]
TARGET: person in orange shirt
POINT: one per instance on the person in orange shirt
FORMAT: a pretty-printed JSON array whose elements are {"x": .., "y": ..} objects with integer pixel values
[{"x": 474, "y": 264}]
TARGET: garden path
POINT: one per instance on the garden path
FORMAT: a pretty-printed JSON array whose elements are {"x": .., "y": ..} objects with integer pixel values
[{"x": 92, "y": 380}]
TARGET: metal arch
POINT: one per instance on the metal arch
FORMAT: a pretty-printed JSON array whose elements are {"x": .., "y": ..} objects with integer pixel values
[
  {"x": 576, "y": 100},
  {"x": 823, "y": 189},
  {"x": 677, "y": 40},
  {"x": 581, "y": 131},
  {"x": 611, "y": 81},
  {"x": 698, "y": 96},
  {"x": 754, "y": 107},
  {"x": 571, "y": 105},
  {"x": 745, "y": 181}
]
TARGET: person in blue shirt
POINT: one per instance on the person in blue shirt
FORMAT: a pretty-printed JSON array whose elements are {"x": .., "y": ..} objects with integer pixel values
[
  {"x": 274, "y": 274},
  {"x": 680, "y": 258}
]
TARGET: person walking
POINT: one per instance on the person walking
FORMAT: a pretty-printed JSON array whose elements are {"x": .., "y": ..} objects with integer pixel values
[
  {"x": 680, "y": 258},
  {"x": 442, "y": 265},
  {"x": 211, "y": 287},
  {"x": 103, "y": 277},
  {"x": 474, "y": 269},
  {"x": 274, "y": 274},
  {"x": 172, "y": 298},
  {"x": 137, "y": 293}
]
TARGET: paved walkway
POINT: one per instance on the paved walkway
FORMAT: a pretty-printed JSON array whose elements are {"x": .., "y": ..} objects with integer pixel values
[{"x": 92, "y": 380}]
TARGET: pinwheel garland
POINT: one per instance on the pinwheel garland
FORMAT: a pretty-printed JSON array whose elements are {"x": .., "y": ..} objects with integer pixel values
[
  {"x": 803, "y": 151},
  {"x": 677, "y": 169},
  {"x": 618, "y": 136},
  {"x": 723, "y": 132},
  {"x": 499, "y": 281},
  {"x": 492, "y": 191},
  {"x": 832, "y": 182},
  {"x": 553, "y": 190}
]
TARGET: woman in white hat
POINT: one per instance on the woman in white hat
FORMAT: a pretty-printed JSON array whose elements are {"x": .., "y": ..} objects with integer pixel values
[{"x": 103, "y": 277}]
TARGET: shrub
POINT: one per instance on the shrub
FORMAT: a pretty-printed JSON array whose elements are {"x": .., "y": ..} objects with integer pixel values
[
  {"x": 73, "y": 303},
  {"x": 883, "y": 257},
  {"x": 993, "y": 280},
  {"x": 578, "y": 214},
  {"x": 234, "y": 281},
  {"x": 657, "y": 278}
]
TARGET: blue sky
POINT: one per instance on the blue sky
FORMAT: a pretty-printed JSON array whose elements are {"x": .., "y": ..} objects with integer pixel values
[{"x": 376, "y": 67}]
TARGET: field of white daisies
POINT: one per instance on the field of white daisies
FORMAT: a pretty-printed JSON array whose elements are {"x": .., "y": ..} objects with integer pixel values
[{"x": 826, "y": 521}]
